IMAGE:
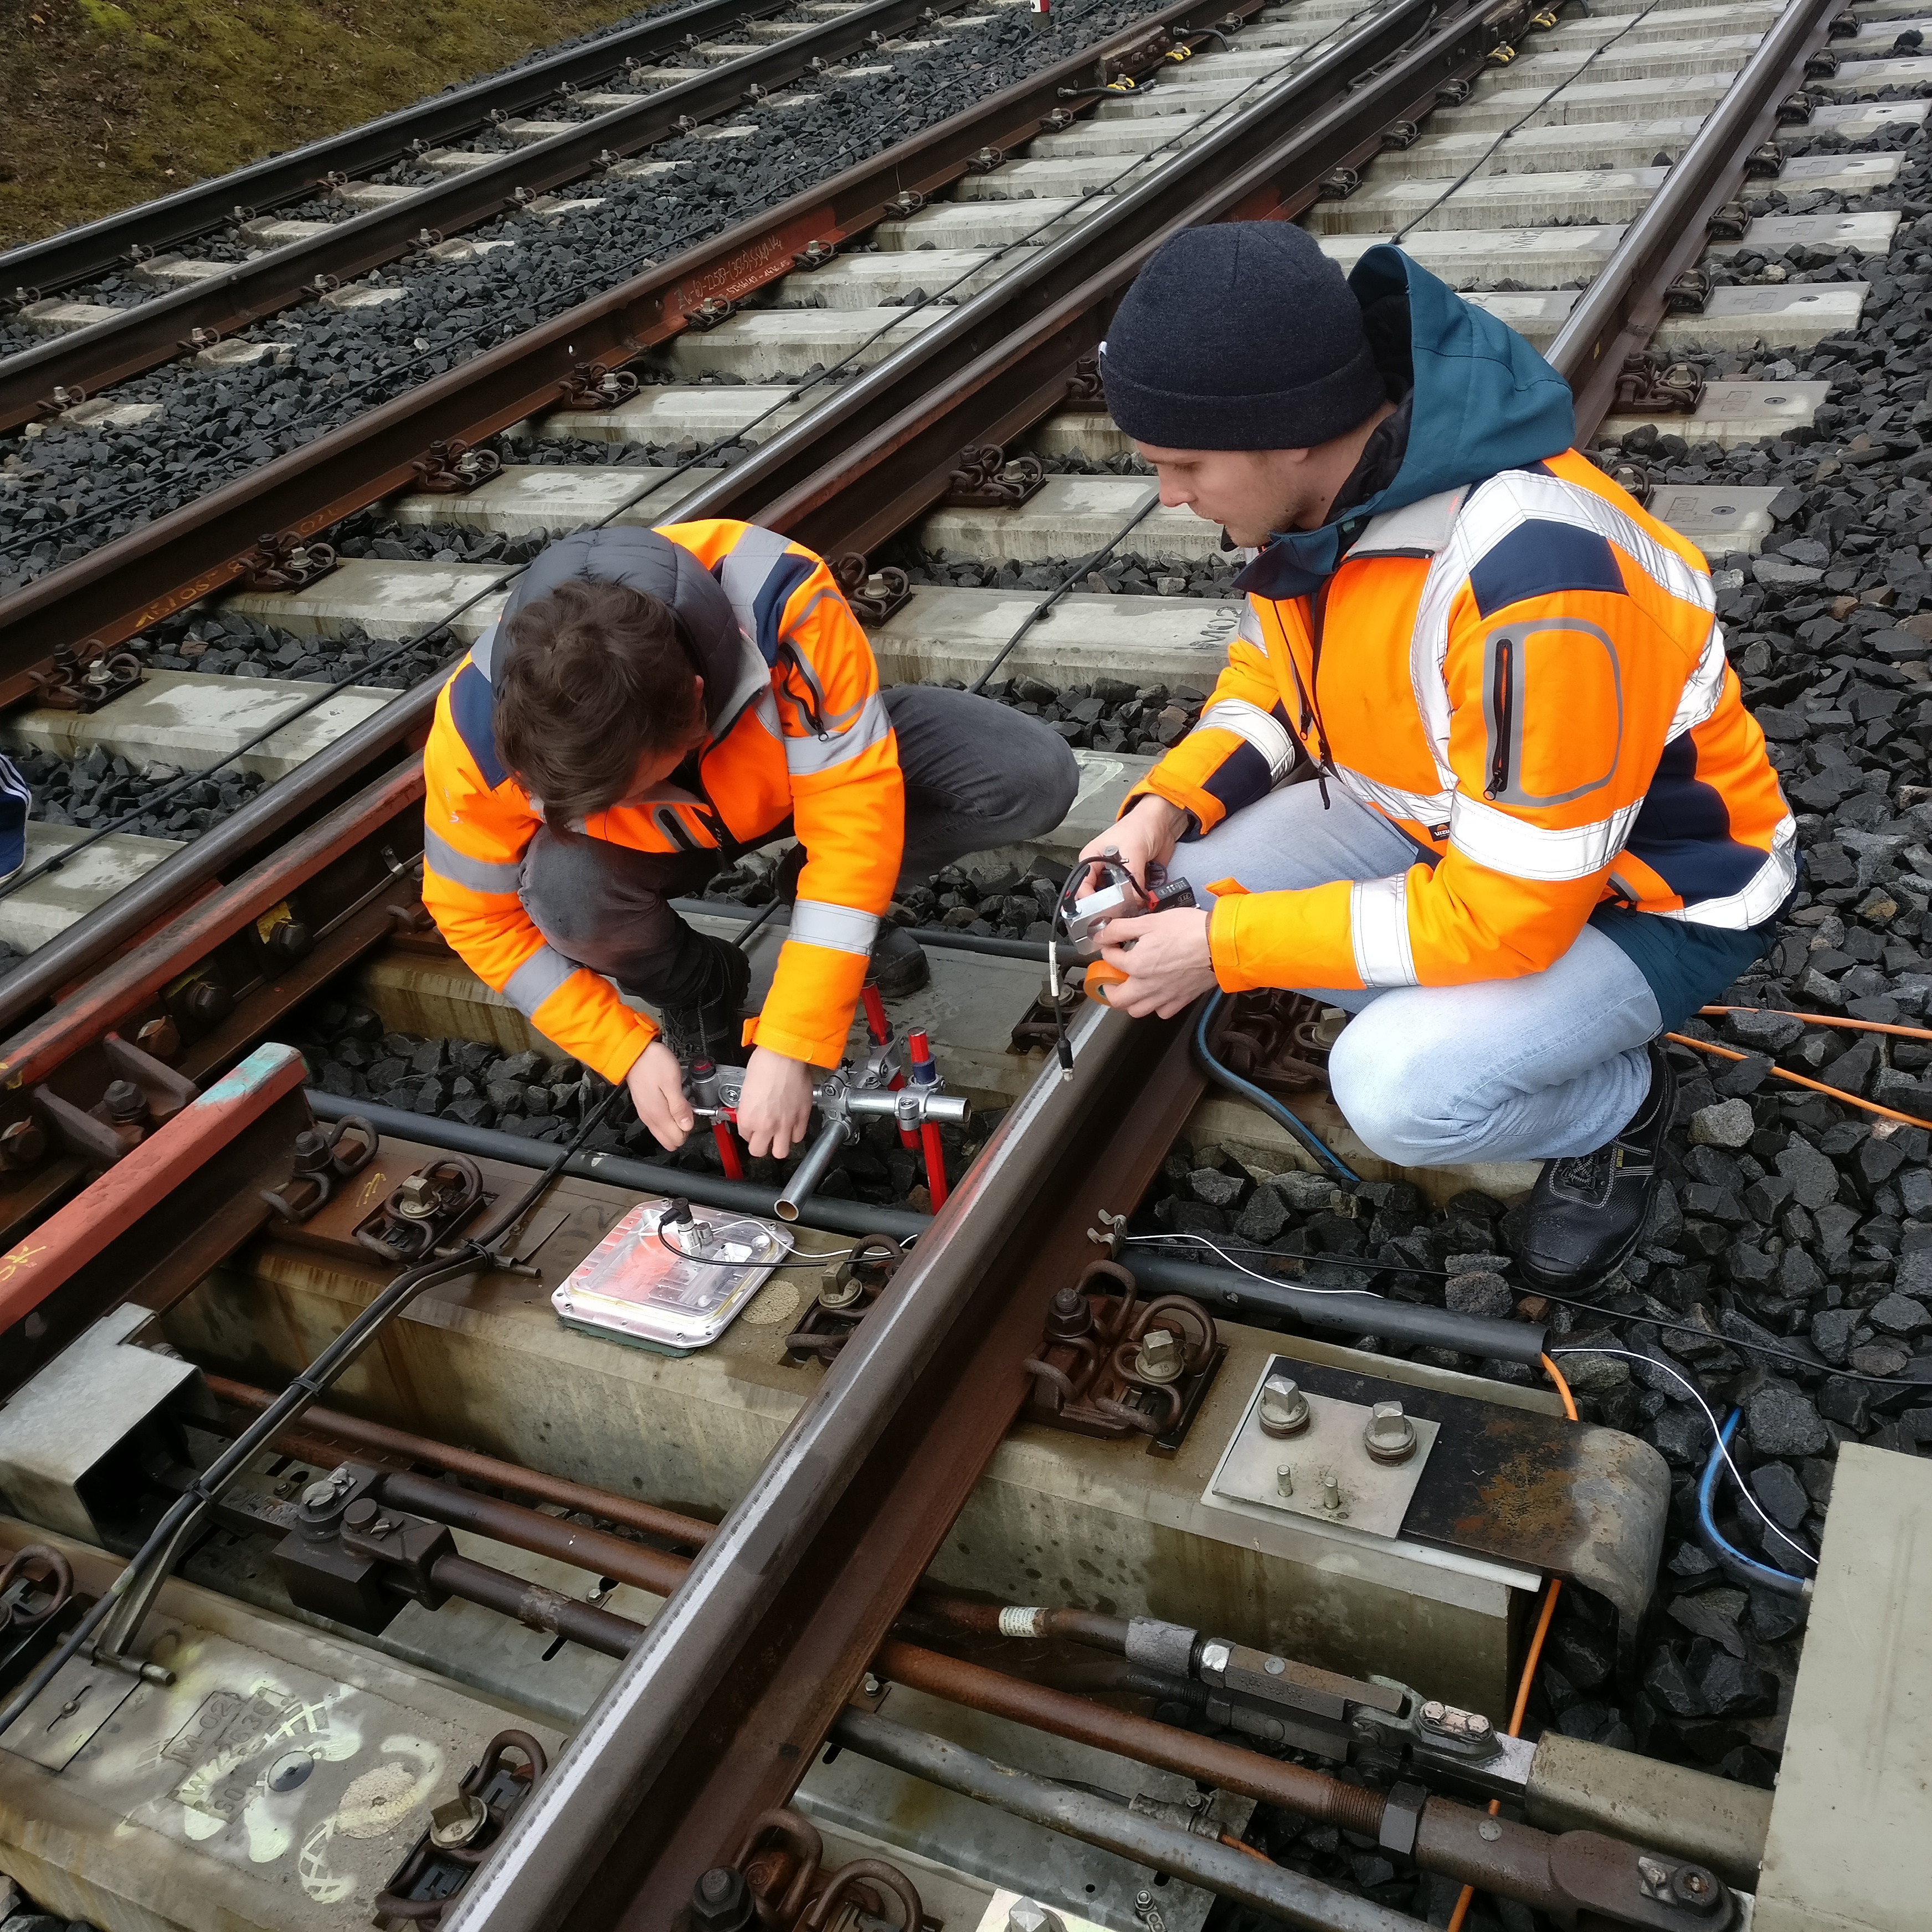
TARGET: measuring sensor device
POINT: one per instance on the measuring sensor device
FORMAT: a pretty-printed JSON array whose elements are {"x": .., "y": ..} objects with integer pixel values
[{"x": 1119, "y": 897}]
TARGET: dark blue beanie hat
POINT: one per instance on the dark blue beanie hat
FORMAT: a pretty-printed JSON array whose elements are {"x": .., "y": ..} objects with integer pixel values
[{"x": 1240, "y": 335}]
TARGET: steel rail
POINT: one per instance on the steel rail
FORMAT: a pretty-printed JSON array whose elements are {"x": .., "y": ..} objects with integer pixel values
[
  {"x": 991, "y": 367},
  {"x": 49, "y": 971},
  {"x": 1617, "y": 315},
  {"x": 79, "y": 254},
  {"x": 156, "y": 331},
  {"x": 135, "y": 579},
  {"x": 33, "y": 1055},
  {"x": 717, "y": 1712}
]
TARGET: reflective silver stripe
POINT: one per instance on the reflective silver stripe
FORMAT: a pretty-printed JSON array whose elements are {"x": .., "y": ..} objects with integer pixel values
[
  {"x": 819, "y": 922},
  {"x": 1379, "y": 925},
  {"x": 753, "y": 558},
  {"x": 479, "y": 875},
  {"x": 483, "y": 652},
  {"x": 1705, "y": 686},
  {"x": 1506, "y": 844},
  {"x": 806, "y": 757},
  {"x": 1767, "y": 889},
  {"x": 1425, "y": 808},
  {"x": 535, "y": 979},
  {"x": 1266, "y": 732}
]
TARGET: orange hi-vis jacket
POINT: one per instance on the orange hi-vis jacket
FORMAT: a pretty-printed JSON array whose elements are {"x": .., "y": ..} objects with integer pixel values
[
  {"x": 796, "y": 729},
  {"x": 1526, "y": 676}
]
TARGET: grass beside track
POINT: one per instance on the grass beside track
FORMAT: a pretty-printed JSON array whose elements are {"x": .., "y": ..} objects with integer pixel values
[{"x": 103, "y": 105}]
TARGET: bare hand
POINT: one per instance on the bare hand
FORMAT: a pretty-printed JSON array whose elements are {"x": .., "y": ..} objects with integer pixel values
[
  {"x": 656, "y": 1082},
  {"x": 1147, "y": 835},
  {"x": 1165, "y": 957},
  {"x": 775, "y": 1106}
]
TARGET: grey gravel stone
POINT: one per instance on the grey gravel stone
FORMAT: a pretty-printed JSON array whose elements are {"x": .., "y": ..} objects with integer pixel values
[
  {"x": 1728, "y": 1124},
  {"x": 1781, "y": 1422},
  {"x": 1814, "y": 1181},
  {"x": 1478, "y": 1294}
]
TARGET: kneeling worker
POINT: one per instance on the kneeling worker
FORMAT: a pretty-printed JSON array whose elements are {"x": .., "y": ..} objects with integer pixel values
[
  {"x": 1541, "y": 828},
  {"x": 651, "y": 703}
]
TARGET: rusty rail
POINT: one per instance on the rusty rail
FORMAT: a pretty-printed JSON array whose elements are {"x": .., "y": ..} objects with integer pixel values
[
  {"x": 991, "y": 369},
  {"x": 100, "y": 248},
  {"x": 136, "y": 579},
  {"x": 156, "y": 331}
]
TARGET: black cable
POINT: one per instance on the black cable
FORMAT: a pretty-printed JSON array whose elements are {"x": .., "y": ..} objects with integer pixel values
[{"x": 1366, "y": 1267}]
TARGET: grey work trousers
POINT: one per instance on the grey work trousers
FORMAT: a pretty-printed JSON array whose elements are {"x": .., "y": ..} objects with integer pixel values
[{"x": 977, "y": 775}]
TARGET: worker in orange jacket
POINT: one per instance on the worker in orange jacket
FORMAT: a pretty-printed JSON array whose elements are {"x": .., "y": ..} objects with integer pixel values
[
  {"x": 651, "y": 703},
  {"x": 1540, "y": 827}
]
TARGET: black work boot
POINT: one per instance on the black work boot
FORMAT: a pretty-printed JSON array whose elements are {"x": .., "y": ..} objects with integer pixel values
[
  {"x": 899, "y": 963},
  {"x": 712, "y": 1026},
  {"x": 1587, "y": 1212}
]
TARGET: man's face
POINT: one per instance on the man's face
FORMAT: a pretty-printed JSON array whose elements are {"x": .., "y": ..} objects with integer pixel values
[
  {"x": 1250, "y": 493},
  {"x": 654, "y": 768}
]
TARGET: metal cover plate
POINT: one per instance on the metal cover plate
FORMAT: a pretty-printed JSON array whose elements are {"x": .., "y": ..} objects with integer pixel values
[
  {"x": 1374, "y": 1496},
  {"x": 80, "y": 1698}
]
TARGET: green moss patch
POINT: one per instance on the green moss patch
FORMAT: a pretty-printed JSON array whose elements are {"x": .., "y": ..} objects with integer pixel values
[{"x": 104, "y": 105}]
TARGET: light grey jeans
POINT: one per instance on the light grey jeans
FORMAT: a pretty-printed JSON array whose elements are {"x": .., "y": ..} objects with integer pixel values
[{"x": 1533, "y": 1069}]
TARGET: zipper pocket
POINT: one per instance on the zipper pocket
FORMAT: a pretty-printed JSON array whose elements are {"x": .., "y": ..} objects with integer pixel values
[{"x": 1502, "y": 708}]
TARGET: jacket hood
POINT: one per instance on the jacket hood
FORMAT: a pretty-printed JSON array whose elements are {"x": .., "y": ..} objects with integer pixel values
[
  {"x": 643, "y": 560},
  {"x": 1481, "y": 400}
]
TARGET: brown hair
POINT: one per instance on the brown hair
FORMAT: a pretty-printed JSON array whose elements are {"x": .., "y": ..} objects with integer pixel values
[{"x": 596, "y": 677}]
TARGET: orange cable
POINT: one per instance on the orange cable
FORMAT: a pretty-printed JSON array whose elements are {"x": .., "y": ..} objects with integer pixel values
[
  {"x": 1532, "y": 1659},
  {"x": 1799, "y": 1080},
  {"x": 1555, "y": 1374},
  {"x": 1826, "y": 1019},
  {"x": 1237, "y": 1845}
]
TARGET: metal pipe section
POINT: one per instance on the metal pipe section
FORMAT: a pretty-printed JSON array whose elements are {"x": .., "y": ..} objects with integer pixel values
[
  {"x": 1351, "y": 1312},
  {"x": 1282, "y": 1893},
  {"x": 812, "y": 1170},
  {"x": 944, "y": 938},
  {"x": 641, "y": 1176},
  {"x": 383, "y": 1440},
  {"x": 535, "y": 1606},
  {"x": 1355, "y": 1313},
  {"x": 159, "y": 892},
  {"x": 1294, "y": 1787},
  {"x": 595, "y": 1550}
]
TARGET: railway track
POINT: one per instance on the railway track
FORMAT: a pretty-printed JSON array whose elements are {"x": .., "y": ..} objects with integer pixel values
[{"x": 954, "y": 286}]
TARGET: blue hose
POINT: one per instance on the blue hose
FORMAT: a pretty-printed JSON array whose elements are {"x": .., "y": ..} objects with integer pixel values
[
  {"x": 1734, "y": 1563},
  {"x": 1267, "y": 1103}
]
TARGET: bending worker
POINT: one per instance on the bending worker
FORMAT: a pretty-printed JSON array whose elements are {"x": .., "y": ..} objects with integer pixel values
[
  {"x": 651, "y": 703},
  {"x": 1540, "y": 829}
]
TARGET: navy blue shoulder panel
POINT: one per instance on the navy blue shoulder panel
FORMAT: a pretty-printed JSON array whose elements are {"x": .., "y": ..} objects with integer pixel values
[
  {"x": 774, "y": 594},
  {"x": 471, "y": 705},
  {"x": 1543, "y": 558}
]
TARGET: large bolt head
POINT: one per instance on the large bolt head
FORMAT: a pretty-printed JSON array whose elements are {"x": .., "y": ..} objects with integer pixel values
[
  {"x": 1161, "y": 1358},
  {"x": 721, "y": 1901},
  {"x": 1024, "y": 1914},
  {"x": 1284, "y": 1409},
  {"x": 1390, "y": 1435}
]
